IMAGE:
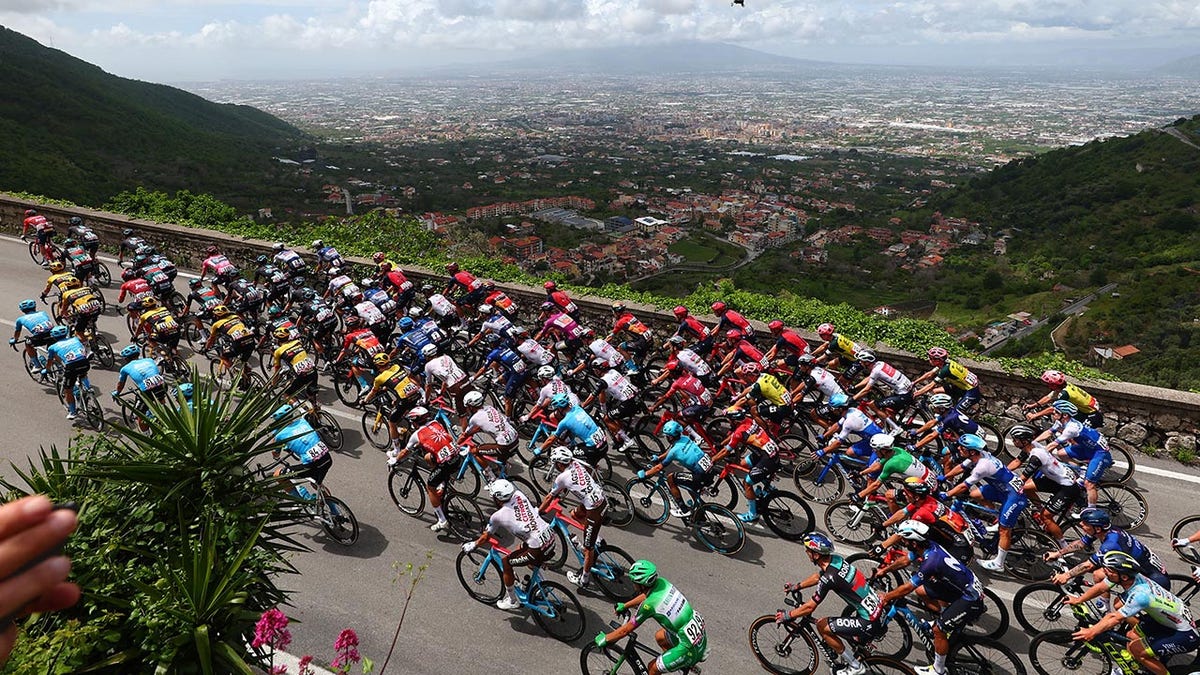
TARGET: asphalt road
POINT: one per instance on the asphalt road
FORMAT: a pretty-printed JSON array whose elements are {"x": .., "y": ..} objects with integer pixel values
[{"x": 445, "y": 631}]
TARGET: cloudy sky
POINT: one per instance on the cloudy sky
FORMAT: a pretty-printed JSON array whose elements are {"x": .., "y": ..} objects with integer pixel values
[{"x": 181, "y": 40}]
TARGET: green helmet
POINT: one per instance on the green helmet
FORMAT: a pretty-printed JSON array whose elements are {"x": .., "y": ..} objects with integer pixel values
[{"x": 643, "y": 573}]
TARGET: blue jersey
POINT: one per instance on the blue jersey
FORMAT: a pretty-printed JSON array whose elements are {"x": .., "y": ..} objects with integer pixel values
[
  {"x": 580, "y": 426},
  {"x": 330, "y": 256},
  {"x": 499, "y": 324},
  {"x": 954, "y": 421},
  {"x": 994, "y": 473},
  {"x": 689, "y": 455},
  {"x": 300, "y": 439},
  {"x": 68, "y": 351},
  {"x": 413, "y": 339},
  {"x": 1117, "y": 539},
  {"x": 431, "y": 330},
  {"x": 380, "y": 299},
  {"x": 1080, "y": 441},
  {"x": 144, "y": 373},
  {"x": 510, "y": 361},
  {"x": 37, "y": 323},
  {"x": 944, "y": 576}
]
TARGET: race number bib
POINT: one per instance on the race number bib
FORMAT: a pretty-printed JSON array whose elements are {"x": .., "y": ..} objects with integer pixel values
[
  {"x": 153, "y": 382},
  {"x": 694, "y": 630},
  {"x": 597, "y": 438},
  {"x": 304, "y": 366},
  {"x": 705, "y": 464}
]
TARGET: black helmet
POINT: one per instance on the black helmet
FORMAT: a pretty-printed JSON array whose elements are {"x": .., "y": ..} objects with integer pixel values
[
  {"x": 127, "y": 232},
  {"x": 75, "y": 221}
]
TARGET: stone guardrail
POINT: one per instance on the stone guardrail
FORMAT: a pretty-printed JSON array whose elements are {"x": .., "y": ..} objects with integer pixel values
[{"x": 1148, "y": 418}]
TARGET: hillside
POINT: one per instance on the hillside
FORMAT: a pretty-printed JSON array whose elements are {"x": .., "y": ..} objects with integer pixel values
[
  {"x": 74, "y": 131},
  {"x": 1189, "y": 66}
]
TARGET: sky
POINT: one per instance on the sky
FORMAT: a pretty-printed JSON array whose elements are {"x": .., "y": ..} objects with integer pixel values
[{"x": 198, "y": 40}]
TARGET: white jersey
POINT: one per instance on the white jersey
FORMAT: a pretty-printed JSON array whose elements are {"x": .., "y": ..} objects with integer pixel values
[
  {"x": 577, "y": 478},
  {"x": 493, "y": 422},
  {"x": 853, "y": 423},
  {"x": 884, "y": 373},
  {"x": 825, "y": 381},
  {"x": 1050, "y": 467},
  {"x": 556, "y": 386},
  {"x": 445, "y": 370},
  {"x": 288, "y": 259},
  {"x": 534, "y": 353},
  {"x": 603, "y": 350},
  {"x": 338, "y": 283},
  {"x": 693, "y": 363},
  {"x": 520, "y": 517},
  {"x": 618, "y": 386},
  {"x": 369, "y": 313},
  {"x": 441, "y": 306},
  {"x": 497, "y": 323}
]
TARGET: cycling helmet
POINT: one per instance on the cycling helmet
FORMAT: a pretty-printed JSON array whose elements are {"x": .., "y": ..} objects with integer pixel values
[
  {"x": 937, "y": 354},
  {"x": 501, "y": 490},
  {"x": 806, "y": 360},
  {"x": 379, "y": 257},
  {"x": 864, "y": 355},
  {"x": 916, "y": 485},
  {"x": 405, "y": 323},
  {"x": 274, "y": 311},
  {"x": 489, "y": 286},
  {"x": 550, "y": 286},
  {"x": 518, "y": 331},
  {"x": 775, "y": 326},
  {"x": 30, "y": 212},
  {"x": 297, "y": 280},
  {"x": 618, "y": 307},
  {"x": 680, "y": 312},
  {"x": 317, "y": 243},
  {"x": 491, "y": 338},
  {"x": 452, "y": 267},
  {"x": 599, "y": 362},
  {"x": 262, "y": 259},
  {"x": 545, "y": 372},
  {"x": 940, "y": 401},
  {"x": 129, "y": 275},
  {"x": 1120, "y": 562},
  {"x": 27, "y": 305},
  {"x": 548, "y": 306},
  {"x": 912, "y": 530},
  {"x": 676, "y": 340},
  {"x": 185, "y": 388},
  {"x": 127, "y": 232},
  {"x": 485, "y": 309},
  {"x": 277, "y": 246},
  {"x": 643, "y": 573},
  {"x": 130, "y": 352},
  {"x": 335, "y": 272},
  {"x": 150, "y": 303},
  {"x": 59, "y": 332},
  {"x": 751, "y": 368},
  {"x": 733, "y": 334},
  {"x": 825, "y": 330},
  {"x": 381, "y": 359},
  {"x": 75, "y": 221},
  {"x": 1096, "y": 517},
  {"x": 68, "y": 242},
  {"x": 672, "y": 429},
  {"x": 839, "y": 400},
  {"x": 972, "y": 443},
  {"x": 56, "y": 266},
  {"x": 194, "y": 283},
  {"x": 310, "y": 294},
  {"x": 417, "y": 414},
  {"x": 561, "y": 454},
  {"x": 815, "y": 542},
  {"x": 1066, "y": 408},
  {"x": 882, "y": 442},
  {"x": 1022, "y": 432},
  {"x": 735, "y": 414},
  {"x": 72, "y": 282},
  {"x": 211, "y": 250},
  {"x": 353, "y": 321},
  {"x": 366, "y": 282},
  {"x": 220, "y": 311},
  {"x": 718, "y": 307},
  {"x": 473, "y": 399},
  {"x": 283, "y": 333},
  {"x": 1054, "y": 379},
  {"x": 560, "y": 401},
  {"x": 414, "y": 312},
  {"x": 429, "y": 351}
]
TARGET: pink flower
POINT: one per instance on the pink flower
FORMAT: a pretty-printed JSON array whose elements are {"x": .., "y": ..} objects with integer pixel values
[
  {"x": 346, "y": 647},
  {"x": 271, "y": 630},
  {"x": 306, "y": 665},
  {"x": 279, "y": 670}
]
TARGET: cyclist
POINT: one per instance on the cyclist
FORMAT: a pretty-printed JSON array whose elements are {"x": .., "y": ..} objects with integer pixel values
[
  {"x": 371, "y": 317},
  {"x": 694, "y": 460},
  {"x": 576, "y": 477},
  {"x": 1165, "y": 626},
  {"x": 552, "y": 385},
  {"x": 59, "y": 277},
  {"x": 560, "y": 300},
  {"x": 690, "y": 327},
  {"x": 300, "y": 439},
  {"x": 130, "y": 243},
  {"x": 947, "y": 528},
  {"x": 787, "y": 342},
  {"x": 136, "y": 287},
  {"x": 687, "y": 359},
  {"x": 320, "y": 320},
  {"x": 945, "y": 584},
  {"x": 488, "y": 420},
  {"x": 771, "y": 400},
  {"x": 954, "y": 379},
  {"x": 43, "y": 229},
  {"x": 445, "y": 372},
  {"x": 371, "y": 291},
  {"x": 289, "y": 260},
  {"x": 222, "y": 270},
  {"x": 145, "y": 375},
  {"x": 500, "y": 300},
  {"x": 436, "y": 445},
  {"x": 740, "y": 352},
  {"x": 603, "y": 349},
  {"x": 327, "y": 256},
  {"x": 1097, "y": 527},
  {"x": 394, "y": 379},
  {"x": 531, "y": 350},
  {"x": 951, "y": 423},
  {"x": 695, "y": 399},
  {"x": 891, "y": 462},
  {"x": 273, "y": 277},
  {"x": 682, "y": 635},
  {"x": 835, "y": 347},
  {"x": 80, "y": 307},
  {"x": 560, "y": 324},
  {"x": 77, "y": 257},
  {"x": 160, "y": 327},
  {"x": 573, "y": 422},
  {"x": 1043, "y": 472},
  {"x": 70, "y": 352},
  {"x": 39, "y": 325},
  {"x": 518, "y": 516},
  {"x": 853, "y": 424},
  {"x": 464, "y": 285},
  {"x": 990, "y": 480},
  {"x": 837, "y": 575},
  {"x": 762, "y": 457},
  {"x": 291, "y": 352},
  {"x": 245, "y": 298},
  {"x": 881, "y": 372},
  {"x": 341, "y": 288},
  {"x": 363, "y": 344},
  {"x": 619, "y": 399},
  {"x": 439, "y": 306},
  {"x": 206, "y": 297},
  {"x": 493, "y": 322},
  {"x": 1075, "y": 441},
  {"x": 236, "y": 341},
  {"x": 510, "y": 364},
  {"x": 84, "y": 235},
  {"x": 1061, "y": 390},
  {"x": 393, "y": 281},
  {"x": 639, "y": 337},
  {"x": 813, "y": 378},
  {"x": 728, "y": 319}
]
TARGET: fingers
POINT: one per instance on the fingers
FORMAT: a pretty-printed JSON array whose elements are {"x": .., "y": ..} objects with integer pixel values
[
  {"x": 23, "y": 513},
  {"x": 28, "y": 529},
  {"x": 37, "y": 587}
]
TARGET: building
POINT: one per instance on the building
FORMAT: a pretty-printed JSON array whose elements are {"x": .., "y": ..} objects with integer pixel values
[
  {"x": 619, "y": 225},
  {"x": 649, "y": 224}
]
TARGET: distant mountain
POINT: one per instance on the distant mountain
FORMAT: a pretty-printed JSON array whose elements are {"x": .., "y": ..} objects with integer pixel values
[
  {"x": 72, "y": 131},
  {"x": 1187, "y": 66},
  {"x": 680, "y": 57}
]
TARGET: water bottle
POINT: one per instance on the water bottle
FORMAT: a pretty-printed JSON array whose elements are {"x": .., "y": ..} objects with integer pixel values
[{"x": 304, "y": 493}]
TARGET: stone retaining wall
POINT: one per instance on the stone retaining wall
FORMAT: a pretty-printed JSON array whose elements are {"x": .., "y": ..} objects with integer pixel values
[{"x": 1148, "y": 418}]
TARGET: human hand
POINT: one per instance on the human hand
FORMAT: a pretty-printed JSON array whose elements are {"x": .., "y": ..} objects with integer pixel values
[
  {"x": 780, "y": 616},
  {"x": 1180, "y": 543},
  {"x": 601, "y": 639},
  {"x": 468, "y": 547}
]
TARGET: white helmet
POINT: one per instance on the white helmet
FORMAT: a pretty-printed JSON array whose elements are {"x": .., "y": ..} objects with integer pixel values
[
  {"x": 473, "y": 399},
  {"x": 335, "y": 271},
  {"x": 485, "y": 309},
  {"x": 561, "y": 454},
  {"x": 414, "y": 312},
  {"x": 940, "y": 401},
  {"x": 913, "y": 530},
  {"x": 317, "y": 243},
  {"x": 278, "y": 246},
  {"x": 429, "y": 351},
  {"x": 882, "y": 441},
  {"x": 545, "y": 372},
  {"x": 501, "y": 490},
  {"x": 417, "y": 413}
]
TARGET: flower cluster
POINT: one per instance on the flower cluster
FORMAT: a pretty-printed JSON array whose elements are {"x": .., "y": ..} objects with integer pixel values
[
  {"x": 346, "y": 647},
  {"x": 271, "y": 631}
]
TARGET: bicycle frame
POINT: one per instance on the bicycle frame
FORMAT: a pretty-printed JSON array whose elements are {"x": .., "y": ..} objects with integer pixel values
[
  {"x": 836, "y": 462},
  {"x": 495, "y": 557}
]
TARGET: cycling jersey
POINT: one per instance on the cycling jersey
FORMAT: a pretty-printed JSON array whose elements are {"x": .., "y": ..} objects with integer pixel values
[
  {"x": 556, "y": 386},
  {"x": 957, "y": 376},
  {"x": 369, "y": 313},
  {"x": 466, "y": 281},
  {"x": 617, "y": 386},
  {"x": 1159, "y": 604},
  {"x": 433, "y": 438},
  {"x": 998, "y": 484},
  {"x": 295, "y": 356},
  {"x": 689, "y": 455},
  {"x": 271, "y": 274},
  {"x": 444, "y": 369},
  {"x": 601, "y": 349},
  {"x": 300, "y": 439},
  {"x": 901, "y": 463},
  {"x": 499, "y": 324},
  {"x": 520, "y": 518},
  {"x": 534, "y": 353},
  {"x": 384, "y": 302},
  {"x": 160, "y": 321},
  {"x": 1084, "y": 401},
  {"x": 1116, "y": 539},
  {"x": 938, "y": 516},
  {"x": 563, "y": 325},
  {"x": 82, "y": 302},
  {"x": 627, "y": 322},
  {"x": 843, "y": 346},
  {"x": 692, "y": 326},
  {"x": 755, "y": 438},
  {"x": 824, "y": 381},
  {"x": 78, "y": 256},
  {"x": 954, "y": 422},
  {"x": 342, "y": 284},
  {"x": 666, "y": 605},
  {"x": 692, "y": 389},
  {"x": 219, "y": 264},
  {"x": 564, "y": 303},
  {"x": 577, "y": 424},
  {"x": 769, "y": 388},
  {"x": 494, "y": 423},
  {"x": 744, "y": 352},
  {"x": 1049, "y": 466},
  {"x": 441, "y": 305},
  {"x": 206, "y": 297},
  {"x": 319, "y": 311},
  {"x": 38, "y": 324},
  {"x": 885, "y": 374},
  {"x": 944, "y": 577},
  {"x": 691, "y": 362},
  {"x": 329, "y": 256},
  {"x": 855, "y": 424},
  {"x": 502, "y": 302},
  {"x": 790, "y": 342},
  {"x": 1079, "y": 440},
  {"x": 509, "y": 361},
  {"x": 137, "y": 288},
  {"x": 232, "y": 328},
  {"x": 60, "y": 279},
  {"x": 844, "y": 579},
  {"x": 577, "y": 479},
  {"x": 241, "y": 289},
  {"x": 144, "y": 373},
  {"x": 289, "y": 259},
  {"x": 39, "y": 223},
  {"x": 731, "y": 319},
  {"x": 364, "y": 340},
  {"x": 70, "y": 351},
  {"x": 396, "y": 379}
]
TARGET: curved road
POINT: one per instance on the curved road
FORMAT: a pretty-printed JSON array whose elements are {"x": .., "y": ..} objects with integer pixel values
[{"x": 445, "y": 631}]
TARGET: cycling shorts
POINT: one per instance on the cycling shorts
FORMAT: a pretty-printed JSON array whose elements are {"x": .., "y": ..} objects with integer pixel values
[
  {"x": 857, "y": 629},
  {"x": 695, "y": 412},
  {"x": 532, "y": 557},
  {"x": 316, "y": 470},
  {"x": 500, "y": 452},
  {"x": 241, "y": 351},
  {"x": 625, "y": 410},
  {"x": 896, "y": 401},
  {"x": 74, "y": 372},
  {"x": 682, "y": 655},
  {"x": 514, "y": 382},
  {"x": 959, "y": 613},
  {"x": 637, "y": 346},
  {"x": 398, "y": 411},
  {"x": 592, "y": 519},
  {"x": 1012, "y": 503},
  {"x": 44, "y": 236},
  {"x": 1097, "y": 465},
  {"x": 442, "y": 474},
  {"x": 302, "y": 384},
  {"x": 694, "y": 481},
  {"x": 1062, "y": 496},
  {"x": 43, "y": 340},
  {"x": 1164, "y": 641},
  {"x": 965, "y": 401},
  {"x": 763, "y": 470},
  {"x": 169, "y": 340}
]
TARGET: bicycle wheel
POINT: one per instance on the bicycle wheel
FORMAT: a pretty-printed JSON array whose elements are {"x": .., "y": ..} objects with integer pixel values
[
  {"x": 330, "y": 431},
  {"x": 845, "y": 523},
  {"x": 347, "y": 388},
  {"x": 1185, "y": 527},
  {"x": 407, "y": 490},
  {"x": 1123, "y": 464},
  {"x": 535, "y": 495},
  {"x": 93, "y": 414},
  {"x": 821, "y": 485},
  {"x": 466, "y": 520},
  {"x": 1024, "y": 559},
  {"x": 979, "y": 656},
  {"x": 196, "y": 337},
  {"x": 993, "y": 623},
  {"x": 722, "y": 492},
  {"x": 1126, "y": 506},
  {"x": 787, "y": 515},
  {"x": 482, "y": 582},
  {"x": 649, "y": 500},
  {"x": 610, "y": 572},
  {"x": 646, "y": 448},
  {"x": 994, "y": 440},
  {"x": 35, "y": 253},
  {"x": 469, "y": 484},
  {"x": 783, "y": 649},
  {"x": 1186, "y": 588},
  {"x": 375, "y": 429},
  {"x": 103, "y": 275},
  {"x": 541, "y": 472},
  {"x": 104, "y": 352},
  {"x": 882, "y": 584},
  {"x": 718, "y": 528},
  {"x": 176, "y": 303},
  {"x": 605, "y": 660},
  {"x": 618, "y": 510},
  {"x": 1041, "y": 607},
  {"x": 557, "y": 611},
  {"x": 1055, "y": 652},
  {"x": 339, "y": 521},
  {"x": 884, "y": 665}
]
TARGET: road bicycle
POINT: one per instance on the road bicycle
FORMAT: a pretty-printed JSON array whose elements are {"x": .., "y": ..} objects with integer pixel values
[
  {"x": 824, "y": 480},
  {"x": 713, "y": 525},
  {"x": 100, "y": 351},
  {"x": 37, "y": 252},
  {"x": 33, "y": 370},
  {"x": 539, "y": 466},
  {"x": 969, "y": 654},
  {"x": 857, "y": 521},
  {"x": 610, "y": 571},
  {"x": 619, "y": 509},
  {"x": 1027, "y": 545},
  {"x": 316, "y": 502},
  {"x": 407, "y": 488},
  {"x": 1123, "y": 465},
  {"x": 87, "y": 402},
  {"x": 795, "y": 648},
  {"x": 616, "y": 658},
  {"x": 554, "y": 608}
]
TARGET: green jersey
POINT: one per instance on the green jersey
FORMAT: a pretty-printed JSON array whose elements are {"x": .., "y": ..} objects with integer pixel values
[
  {"x": 666, "y": 605},
  {"x": 903, "y": 464}
]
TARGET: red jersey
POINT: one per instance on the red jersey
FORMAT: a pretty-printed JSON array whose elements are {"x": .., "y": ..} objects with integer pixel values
[
  {"x": 790, "y": 341},
  {"x": 749, "y": 433},
  {"x": 737, "y": 321},
  {"x": 932, "y": 512},
  {"x": 747, "y": 353},
  {"x": 692, "y": 388},
  {"x": 39, "y": 223},
  {"x": 628, "y": 322},
  {"x": 691, "y": 325},
  {"x": 466, "y": 280},
  {"x": 364, "y": 339},
  {"x": 500, "y": 301},
  {"x": 559, "y": 298},
  {"x": 398, "y": 281},
  {"x": 134, "y": 287},
  {"x": 434, "y": 439}
]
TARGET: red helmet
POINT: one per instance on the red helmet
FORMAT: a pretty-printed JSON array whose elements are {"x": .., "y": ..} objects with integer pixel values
[
  {"x": 750, "y": 368},
  {"x": 452, "y": 267},
  {"x": 212, "y": 250},
  {"x": 1054, "y": 378},
  {"x": 378, "y": 256},
  {"x": 550, "y": 286},
  {"x": 825, "y": 330},
  {"x": 775, "y": 326},
  {"x": 733, "y": 334},
  {"x": 680, "y": 311},
  {"x": 937, "y": 354},
  {"x": 718, "y": 307},
  {"x": 30, "y": 212}
]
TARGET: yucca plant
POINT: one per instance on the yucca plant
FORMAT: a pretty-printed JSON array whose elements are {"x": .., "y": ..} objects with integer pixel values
[{"x": 179, "y": 537}]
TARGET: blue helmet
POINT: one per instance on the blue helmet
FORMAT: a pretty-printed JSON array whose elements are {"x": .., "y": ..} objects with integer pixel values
[
  {"x": 283, "y": 410},
  {"x": 972, "y": 442},
  {"x": 27, "y": 305},
  {"x": 839, "y": 400},
  {"x": 1066, "y": 408},
  {"x": 672, "y": 429},
  {"x": 817, "y": 543},
  {"x": 406, "y": 323},
  {"x": 1096, "y": 517},
  {"x": 130, "y": 352},
  {"x": 59, "y": 332},
  {"x": 186, "y": 389},
  {"x": 560, "y": 401}
]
